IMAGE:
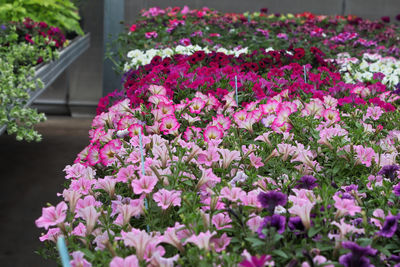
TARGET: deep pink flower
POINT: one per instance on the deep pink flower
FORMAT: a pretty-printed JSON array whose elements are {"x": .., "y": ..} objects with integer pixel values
[
  {"x": 254, "y": 261},
  {"x": 133, "y": 28},
  {"x": 149, "y": 35}
]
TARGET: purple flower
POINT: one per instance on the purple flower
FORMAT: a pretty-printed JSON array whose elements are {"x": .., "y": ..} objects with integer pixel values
[
  {"x": 398, "y": 17},
  {"x": 295, "y": 224},
  {"x": 396, "y": 190},
  {"x": 394, "y": 258},
  {"x": 389, "y": 171},
  {"x": 277, "y": 221},
  {"x": 3, "y": 27},
  {"x": 385, "y": 19},
  {"x": 272, "y": 199},
  {"x": 389, "y": 226},
  {"x": 307, "y": 182},
  {"x": 357, "y": 256},
  {"x": 397, "y": 91}
]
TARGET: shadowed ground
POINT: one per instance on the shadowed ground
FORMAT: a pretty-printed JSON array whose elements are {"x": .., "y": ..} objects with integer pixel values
[{"x": 31, "y": 175}]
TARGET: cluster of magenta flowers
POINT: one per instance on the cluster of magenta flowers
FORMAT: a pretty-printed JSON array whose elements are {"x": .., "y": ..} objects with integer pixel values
[{"x": 265, "y": 159}]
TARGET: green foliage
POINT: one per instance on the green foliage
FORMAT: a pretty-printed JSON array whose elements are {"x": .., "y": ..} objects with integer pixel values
[
  {"x": 58, "y": 13},
  {"x": 17, "y": 60}
]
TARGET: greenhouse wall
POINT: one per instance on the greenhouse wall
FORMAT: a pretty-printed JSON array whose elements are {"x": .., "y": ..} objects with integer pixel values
[{"x": 78, "y": 90}]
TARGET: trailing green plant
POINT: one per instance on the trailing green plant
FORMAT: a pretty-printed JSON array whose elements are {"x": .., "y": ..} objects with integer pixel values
[
  {"x": 17, "y": 71},
  {"x": 59, "y": 13}
]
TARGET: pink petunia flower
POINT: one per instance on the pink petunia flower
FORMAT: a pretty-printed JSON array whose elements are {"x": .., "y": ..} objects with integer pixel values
[
  {"x": 212, "y": 133},
  {"x": 255, "y": 161},
  {"x": 130, "y": 261},
  {"x": 52, "y": 215},
  {"x": 166, "y": 198},
  {"x": 233, "y": 194},
  {"x": 208, "y": 157},
  {"x": 138, "y": 239},
  {"x": 346, "y": 206},
  {"x": 169, "y": 125},
  {"x": 144, "y": 185},
  {"x": 78, "y": 260},
  {"x": 364, "y": 155},
  {"x": 221, "y": 243},
  {"x": 202, "y": 240},
  {"x": 90, "y": 215}
]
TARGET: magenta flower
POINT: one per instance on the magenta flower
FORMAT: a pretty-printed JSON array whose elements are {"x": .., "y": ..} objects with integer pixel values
[
  {"x": 149, "y": 35},
  {"x": 166, "y": 199},
  {"x": 52, "y": 215},
  {"x": 254, "y": 261}
]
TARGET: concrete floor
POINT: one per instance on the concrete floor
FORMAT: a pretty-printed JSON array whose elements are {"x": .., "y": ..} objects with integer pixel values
[{"x": 31, "y": 175}]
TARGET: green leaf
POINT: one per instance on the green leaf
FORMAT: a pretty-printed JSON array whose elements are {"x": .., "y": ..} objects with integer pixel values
[
  {"x": 280, "y": 253},
  {"x": 313, "y": 231}
]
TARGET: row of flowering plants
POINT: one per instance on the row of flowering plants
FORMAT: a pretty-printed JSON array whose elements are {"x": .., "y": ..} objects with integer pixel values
[
  {"x": 159, "y": 28},
  {"x": 24, "y": 46},
  {"x": 212, "y": 158}
]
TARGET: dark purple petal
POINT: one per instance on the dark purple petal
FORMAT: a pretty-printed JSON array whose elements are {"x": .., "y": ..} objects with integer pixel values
[
  {"x": 271, "y": 199},
  {"x": 389, "y": 226}
]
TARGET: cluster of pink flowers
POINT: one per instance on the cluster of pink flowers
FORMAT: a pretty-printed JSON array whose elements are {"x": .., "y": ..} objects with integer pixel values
[{"x": 258, "y": 160}]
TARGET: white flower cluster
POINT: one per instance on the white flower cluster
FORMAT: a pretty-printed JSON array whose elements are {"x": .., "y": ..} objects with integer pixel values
[
  {"x": 363, "y": 70},
  {"x": 139, "y": 58}
]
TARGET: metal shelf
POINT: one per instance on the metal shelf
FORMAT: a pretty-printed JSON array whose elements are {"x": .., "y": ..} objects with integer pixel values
[{"x": 49, "y": 72}]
